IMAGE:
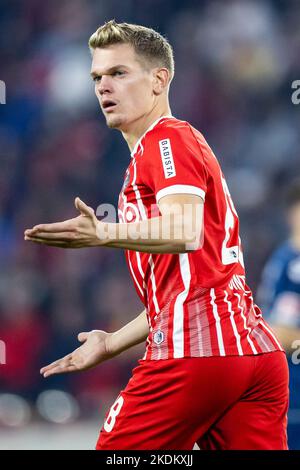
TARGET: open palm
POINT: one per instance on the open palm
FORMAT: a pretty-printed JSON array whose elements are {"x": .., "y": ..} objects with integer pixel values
[{"x": 92, "y": 352}]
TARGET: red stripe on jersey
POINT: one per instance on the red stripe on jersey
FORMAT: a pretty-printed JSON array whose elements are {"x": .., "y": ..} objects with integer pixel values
[
  {"x": 218, "y": 346},
  {"x": 234, "y": 320},
  {"x": 199, "y": 327}
]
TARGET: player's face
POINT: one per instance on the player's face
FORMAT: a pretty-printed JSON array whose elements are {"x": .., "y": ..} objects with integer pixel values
[
  {"x": 294, "y": 217},
  {"x": 123, "y": 85}
]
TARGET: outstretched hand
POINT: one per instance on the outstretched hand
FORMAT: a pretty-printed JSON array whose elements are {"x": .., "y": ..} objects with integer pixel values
[
  {"x": 92, "y": 352},
  {"x": 78, "y": 232}
]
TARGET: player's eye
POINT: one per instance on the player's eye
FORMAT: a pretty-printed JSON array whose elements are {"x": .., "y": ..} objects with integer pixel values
[
  {"x": 118, "y": 73},
  {"x": 97, "y": 78}
]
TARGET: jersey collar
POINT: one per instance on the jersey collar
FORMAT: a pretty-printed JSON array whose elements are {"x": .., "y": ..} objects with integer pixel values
[{"x": 149, "y": 129}]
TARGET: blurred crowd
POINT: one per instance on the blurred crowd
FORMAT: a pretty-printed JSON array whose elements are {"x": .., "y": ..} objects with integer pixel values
[{"x": 235, "y": 61}]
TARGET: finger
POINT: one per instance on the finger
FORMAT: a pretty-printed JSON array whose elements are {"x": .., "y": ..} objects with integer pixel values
[
  {"x": 65, "y": 359},
  {"x": 82, "y": 336},
  {"x": 59, "y": 236},
  {"x": 55, "y": 227},
  {"x": 48, "y": 242},
  {"x": 60, "y": 370},
  {"x": 83, "y": 208}
]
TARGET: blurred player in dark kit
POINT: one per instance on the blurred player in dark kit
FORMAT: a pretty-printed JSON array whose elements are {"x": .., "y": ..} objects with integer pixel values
[{"x": 279, "y": 295}]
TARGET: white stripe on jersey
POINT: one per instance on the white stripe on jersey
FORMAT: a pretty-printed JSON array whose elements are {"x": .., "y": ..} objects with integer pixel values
[
  {"x": 152, "y": 276},
  {"x": 148, "y": 342},
  {"x": 262, "y": 323},
  {"x": 234, "y": 282},
  {"x": 178, "y": 320},
  {"x": 180, "y": 189},
  {"x": 253, "y": 309},
  {"x": 239, "y": 282},
  {"x": 237, "y": 336},
  {"x": 245, "y": 324},
  {"x": 260, "y": 340},
  {"x": 218, "y": 326}
]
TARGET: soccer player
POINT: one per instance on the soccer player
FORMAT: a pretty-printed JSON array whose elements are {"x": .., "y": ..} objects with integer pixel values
[
  {"x": 213, "y": 371},
  {"x": 279, "y": 294}
]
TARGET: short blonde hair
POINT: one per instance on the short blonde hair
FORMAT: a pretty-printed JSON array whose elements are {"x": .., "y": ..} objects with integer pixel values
[{"x": 147, "y": 43}]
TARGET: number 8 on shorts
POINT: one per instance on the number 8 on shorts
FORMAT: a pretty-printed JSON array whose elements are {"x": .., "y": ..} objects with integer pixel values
[{"x": 113, "y": 413}]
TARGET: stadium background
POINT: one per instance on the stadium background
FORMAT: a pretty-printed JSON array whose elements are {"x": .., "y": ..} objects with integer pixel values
[{"x": 235, "y": 62}]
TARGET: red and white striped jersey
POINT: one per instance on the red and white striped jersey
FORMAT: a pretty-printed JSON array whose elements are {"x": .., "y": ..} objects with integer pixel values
[{"x": 197, "y": 303}]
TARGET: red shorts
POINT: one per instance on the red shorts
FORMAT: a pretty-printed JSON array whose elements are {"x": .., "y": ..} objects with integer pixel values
[{"x": 233, "y": 402}]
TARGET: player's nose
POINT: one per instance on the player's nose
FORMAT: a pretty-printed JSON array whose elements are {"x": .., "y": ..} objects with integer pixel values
[{"x": 105, "y": 85}]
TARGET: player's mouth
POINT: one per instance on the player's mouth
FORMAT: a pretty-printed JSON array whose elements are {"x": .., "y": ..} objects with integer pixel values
[{"x": 108, "y": 105}]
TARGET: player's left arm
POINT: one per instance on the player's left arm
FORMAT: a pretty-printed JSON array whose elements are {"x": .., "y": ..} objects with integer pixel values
[
  {"x": 174, "y": 168},
  {"x": 177, "y": 230}
]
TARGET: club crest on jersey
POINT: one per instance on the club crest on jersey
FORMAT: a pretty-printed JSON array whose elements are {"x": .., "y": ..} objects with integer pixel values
[
  {"x": 167, "y": 158},
  {"x": 158, "y": 337}
]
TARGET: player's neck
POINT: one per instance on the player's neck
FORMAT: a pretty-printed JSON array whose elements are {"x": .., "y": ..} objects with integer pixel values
[{"x": 138, "y": 129}]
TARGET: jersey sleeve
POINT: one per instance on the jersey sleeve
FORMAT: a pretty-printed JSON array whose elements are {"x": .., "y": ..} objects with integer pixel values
[{"x": 174, "y": 164}]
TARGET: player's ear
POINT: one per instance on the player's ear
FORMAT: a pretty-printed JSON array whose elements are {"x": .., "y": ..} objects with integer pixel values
[{"x": 161, "y": 78}]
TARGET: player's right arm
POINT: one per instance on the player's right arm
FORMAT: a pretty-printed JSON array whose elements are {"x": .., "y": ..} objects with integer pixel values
[{"x": 99, "y": 346}]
